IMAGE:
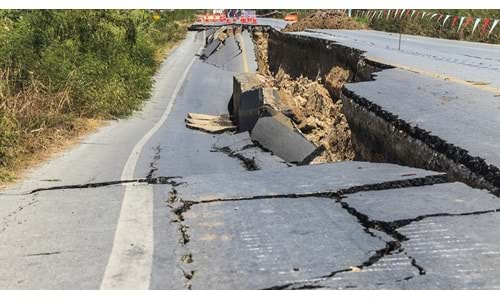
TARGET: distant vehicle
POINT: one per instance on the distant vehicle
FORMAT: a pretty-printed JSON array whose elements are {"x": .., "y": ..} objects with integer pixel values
[{"x": 292, "y": 17}]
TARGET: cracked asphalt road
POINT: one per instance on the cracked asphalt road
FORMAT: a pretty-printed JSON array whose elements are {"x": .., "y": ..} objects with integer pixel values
[{"x": 148, "y": 203}]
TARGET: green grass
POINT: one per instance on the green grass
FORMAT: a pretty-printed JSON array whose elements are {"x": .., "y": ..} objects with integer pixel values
[{"x": 61, "y": 66}]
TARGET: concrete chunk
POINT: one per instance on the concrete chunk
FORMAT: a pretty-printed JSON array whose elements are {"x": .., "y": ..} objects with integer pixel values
[
  {"x": 210, "y": 48},
  {"x": 247, "y": 98},
  {"x": 275, "y": 132}
]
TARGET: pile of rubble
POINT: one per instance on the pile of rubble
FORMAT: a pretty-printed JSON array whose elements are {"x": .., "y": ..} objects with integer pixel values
[
  {"x": 325, "y": 19},
  {"x": 309, "y": 105},
  {"x": 313, "y": 106}
]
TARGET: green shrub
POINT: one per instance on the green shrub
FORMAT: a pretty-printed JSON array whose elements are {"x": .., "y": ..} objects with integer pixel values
[{"x": 58, "y": 65}]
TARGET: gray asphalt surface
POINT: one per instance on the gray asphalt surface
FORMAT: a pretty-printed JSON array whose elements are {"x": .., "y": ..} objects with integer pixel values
[
  {"x": 475, "y": 62},
  {"x": 204, "y": 221}
]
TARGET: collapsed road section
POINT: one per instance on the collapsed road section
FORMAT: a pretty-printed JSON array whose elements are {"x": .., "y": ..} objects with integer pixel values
[
  {"x": 361, "y": 108},
  {"x": 396, "y": 115},
  {"x": 308, "y": 71},
  {"x": 378, "y": 206}
]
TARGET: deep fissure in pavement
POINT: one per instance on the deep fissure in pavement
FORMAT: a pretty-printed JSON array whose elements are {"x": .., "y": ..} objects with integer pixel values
[
  {"x": 388, "y": 138},
  {"x": 248, "y": 163},
  {"x": 152, "y": 166},
  {"x": 180, "y": 206},
  {"x": 392, "y": 247},
  {"x": 170, "y": 180}
]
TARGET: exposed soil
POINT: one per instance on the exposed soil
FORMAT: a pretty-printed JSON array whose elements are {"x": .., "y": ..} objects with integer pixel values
[
  {"x": 261, "y": 51},
  {"x": 325, "y": 19},
  {"x": 310, "y": 106}
]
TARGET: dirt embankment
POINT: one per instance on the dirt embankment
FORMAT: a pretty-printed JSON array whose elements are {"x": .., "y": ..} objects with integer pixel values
[
  {"x": 325, "y": 19},
  {"x": 261, "y": 51},
  {"x": 310, "y": 106}
]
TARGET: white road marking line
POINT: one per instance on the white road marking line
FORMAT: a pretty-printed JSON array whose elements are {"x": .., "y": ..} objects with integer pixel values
[{"x": 131, "y": 260}]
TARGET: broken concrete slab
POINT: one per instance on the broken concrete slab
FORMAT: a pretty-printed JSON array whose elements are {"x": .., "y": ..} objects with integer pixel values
[
  {"x": 277, "y": 133},
  {"x": 280, "y": 241},
  {"x": 412, "y": 202},
  {"x": 225, "y": 54},
  {"x": 262, "y": 159},
  {"x": 210, "y": 48},
  {"x": 221, "y": 34},
  {"x": 303, "y": 180},
  {"x": 209, "y": 123},
  {"x": 247, "y": 99}
]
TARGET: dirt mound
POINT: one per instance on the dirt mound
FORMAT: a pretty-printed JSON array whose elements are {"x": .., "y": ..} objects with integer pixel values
[{"x": 325, "y": 19}]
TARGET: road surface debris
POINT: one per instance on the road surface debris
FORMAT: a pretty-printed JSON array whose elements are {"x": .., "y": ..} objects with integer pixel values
[{"x": 209, "y": 123}]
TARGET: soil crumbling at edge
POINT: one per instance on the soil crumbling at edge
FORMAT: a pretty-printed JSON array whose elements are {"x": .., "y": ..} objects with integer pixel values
[
  {"x": 309, "y": 104},
  {"x": 325, "y": 19}
]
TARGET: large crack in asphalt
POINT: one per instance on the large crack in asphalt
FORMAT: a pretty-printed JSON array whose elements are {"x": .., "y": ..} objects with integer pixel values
[
  {"x": 153, "y": 167},
  {"x": 180, "y": 206},
  {"x": 395, "y": 184},
  {"x": 285, "y": 49},
  {"x": 392, "y": 247},
  {"x": 456, "y": 154},
  {"x": 248, "y": 163},
  {"x": 152, "y": 180}
]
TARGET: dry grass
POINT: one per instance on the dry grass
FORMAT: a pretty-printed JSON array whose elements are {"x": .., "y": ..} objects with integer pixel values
[
  {"x": 50, "y": 144},
  {"x": 54, "y": 92},
  {"x": 35, "y": 123}
]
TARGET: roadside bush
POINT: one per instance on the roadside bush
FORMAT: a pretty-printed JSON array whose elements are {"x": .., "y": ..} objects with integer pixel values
[{"x": 58, "y": 66}]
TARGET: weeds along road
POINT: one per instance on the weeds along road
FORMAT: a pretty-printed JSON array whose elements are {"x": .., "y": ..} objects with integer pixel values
[{"x": 146, "y": 203}]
